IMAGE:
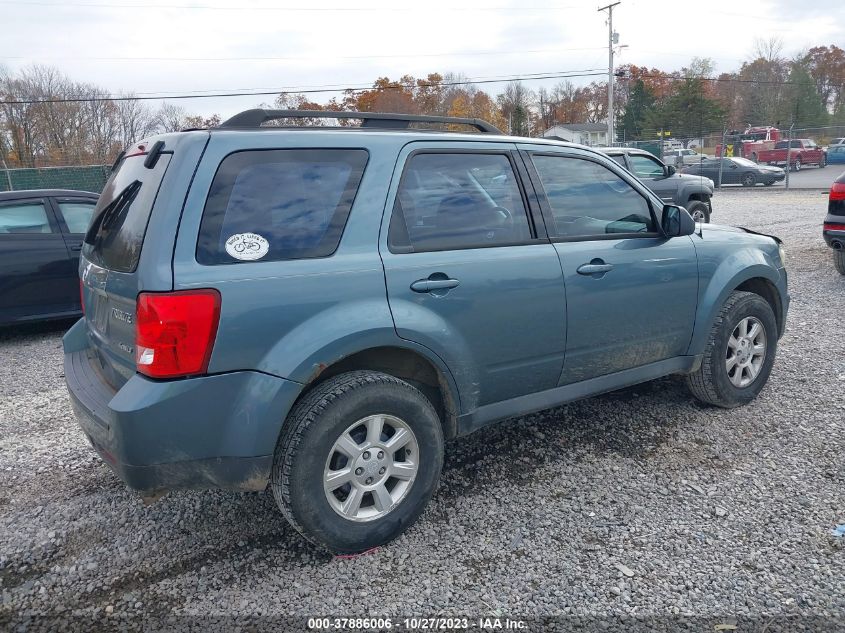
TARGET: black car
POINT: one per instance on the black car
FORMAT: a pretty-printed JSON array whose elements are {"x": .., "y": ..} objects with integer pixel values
[
  {"x": 737, "y": 171},
  {"x": 834, "y": 224},
  {"x": 41, "y": 233}
]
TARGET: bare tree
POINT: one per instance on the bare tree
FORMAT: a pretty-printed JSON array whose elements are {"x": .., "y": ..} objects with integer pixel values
[
  {"x": 170, "y": 118},
  {"x": 136, "y": 120}
]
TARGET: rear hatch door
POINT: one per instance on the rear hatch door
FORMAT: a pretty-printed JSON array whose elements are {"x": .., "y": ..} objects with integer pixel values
[{"x": 110, "y": 260}]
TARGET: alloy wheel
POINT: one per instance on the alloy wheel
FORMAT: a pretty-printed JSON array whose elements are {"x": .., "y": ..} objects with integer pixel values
[
  {"x": 746, "y": 352},
  {"x": 371, "y": 467}
]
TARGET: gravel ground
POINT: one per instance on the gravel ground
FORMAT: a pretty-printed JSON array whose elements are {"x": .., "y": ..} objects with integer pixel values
[{"x": 640, "y": 503}]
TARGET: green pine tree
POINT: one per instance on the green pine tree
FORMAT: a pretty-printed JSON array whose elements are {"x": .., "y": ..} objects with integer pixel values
[
  {"x": 640, "y": 103},
  {"x": 802, "y": 104}
]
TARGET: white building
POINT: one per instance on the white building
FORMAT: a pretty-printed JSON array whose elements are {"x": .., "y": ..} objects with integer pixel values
[{"x": 583, "y": 133}]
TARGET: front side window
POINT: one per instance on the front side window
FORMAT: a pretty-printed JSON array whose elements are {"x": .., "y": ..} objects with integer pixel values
[
  {"x": 645, "y": 167},
  {"x": 77, "y": 215},
  {"x": 279, "y": 204},
  {"x": 457, "y": 201},
  {"x": 24, "y": 217},
  {"x": 589, "y": 200}
]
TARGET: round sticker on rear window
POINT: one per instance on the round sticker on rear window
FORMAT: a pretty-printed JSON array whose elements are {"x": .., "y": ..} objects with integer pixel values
[{"x": 247, "y": 246}]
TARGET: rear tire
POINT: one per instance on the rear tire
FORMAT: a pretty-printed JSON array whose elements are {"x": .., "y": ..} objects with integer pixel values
[
  {"x": 341, "y": 432},
  {"x": 839, "y": 261},
  {"x": 716, "y": 381},
  {"x": 748, "y": 180},
  {"x": 823, "y": 162},
  {"x": 700, "y": 211}
]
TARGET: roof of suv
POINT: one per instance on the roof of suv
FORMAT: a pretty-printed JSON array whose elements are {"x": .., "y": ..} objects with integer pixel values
[
  {"x": 41, "y": 193},
  {"x": 623, "y": 150},
  {"x": 376, "y": 123}
]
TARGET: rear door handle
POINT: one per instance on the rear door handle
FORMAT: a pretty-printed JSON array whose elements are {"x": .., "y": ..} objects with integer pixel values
[
  {"x": 76, "y": 247},
  {"x": 594, "y": 268},
  {"x": 427, "y": 285}
]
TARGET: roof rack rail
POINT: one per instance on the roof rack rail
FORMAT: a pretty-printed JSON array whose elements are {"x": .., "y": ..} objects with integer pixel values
[{"x": 381, "y": 120}]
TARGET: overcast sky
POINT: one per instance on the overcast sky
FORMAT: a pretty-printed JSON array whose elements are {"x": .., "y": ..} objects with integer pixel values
[{"x": 175, "y": 46}]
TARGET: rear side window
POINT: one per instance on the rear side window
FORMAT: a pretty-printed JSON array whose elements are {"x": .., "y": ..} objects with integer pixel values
[
  {"x": 116, "y": 234},
  {"x": 77, "y": 215},
  {"x": 24, "y": 217},
  {"x": 279, "y": 204}
]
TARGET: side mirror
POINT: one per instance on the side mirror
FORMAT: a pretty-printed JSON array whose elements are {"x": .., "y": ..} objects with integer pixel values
[
  {"x": 668, "y": 170},
  {"x": 676, "y": 221}
]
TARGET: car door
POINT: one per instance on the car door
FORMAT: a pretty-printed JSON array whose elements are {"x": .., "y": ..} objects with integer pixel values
[
  {"x": 470, "y": 273},
  {"x": 34, "y": 264},
  {"x": 631, "y": 293},
  {"x": 74, "y": 215},
  {"x": 651, "y": 172}
]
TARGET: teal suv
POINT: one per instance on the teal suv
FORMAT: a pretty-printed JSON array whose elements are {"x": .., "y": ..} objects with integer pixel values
[{"x": 318, "y": 308}]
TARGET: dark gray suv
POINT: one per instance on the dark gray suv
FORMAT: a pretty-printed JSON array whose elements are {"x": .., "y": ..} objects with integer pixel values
[
  {"x": 318, "y": 309},
  {"x": 694, "y": 193}
]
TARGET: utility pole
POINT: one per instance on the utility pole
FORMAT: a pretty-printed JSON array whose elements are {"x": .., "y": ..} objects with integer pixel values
[{"x": 610, "y": 42}]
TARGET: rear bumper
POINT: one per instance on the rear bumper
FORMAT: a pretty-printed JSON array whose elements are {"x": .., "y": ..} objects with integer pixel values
[
  {"x": 833, "y": 237},
  {"x": 207, "y": 432}
]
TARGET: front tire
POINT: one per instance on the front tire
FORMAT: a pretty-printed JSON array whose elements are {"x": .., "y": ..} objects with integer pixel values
[
  {"x": 797, "y": 165},
  {"x": 839, "y": 261},
  {"x": 700, "y": 211},
  {"x": 358, "y": 460},
  {"x": 739, "y": 354}
]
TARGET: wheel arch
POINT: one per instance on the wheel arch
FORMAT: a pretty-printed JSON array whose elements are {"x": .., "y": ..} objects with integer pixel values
[
  {"x": 758, "y": 278},
  {"x": 413, "y": 365}
]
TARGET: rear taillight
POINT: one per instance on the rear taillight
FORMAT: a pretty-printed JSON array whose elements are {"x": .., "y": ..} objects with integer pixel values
[
  {"x": 82, "y": 296},
  {"x": 175, "y": 332},
  {"x": 837, "y": 191},
  {"x": 834, "y": 227}
]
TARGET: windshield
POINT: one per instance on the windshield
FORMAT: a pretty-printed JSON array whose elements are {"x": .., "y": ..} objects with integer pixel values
[{"x": 744, "y": 162}]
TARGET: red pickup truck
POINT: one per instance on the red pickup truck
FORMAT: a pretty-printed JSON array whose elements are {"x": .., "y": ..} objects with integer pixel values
[{"x": 804, "y": 151}]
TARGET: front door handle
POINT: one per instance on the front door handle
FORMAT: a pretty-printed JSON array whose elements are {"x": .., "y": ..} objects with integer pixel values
[
  {"x": 595, "y": 267},
  {"x": 429, "y": 285}
]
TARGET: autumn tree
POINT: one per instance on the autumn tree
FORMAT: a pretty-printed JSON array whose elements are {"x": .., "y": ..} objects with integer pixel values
[
  {"x": 515, "y": 104},
  {"x": 826, "y": 65}
]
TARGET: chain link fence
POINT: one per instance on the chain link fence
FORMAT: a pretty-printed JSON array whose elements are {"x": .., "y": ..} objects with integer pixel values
[{"x": 80, "y": 178}]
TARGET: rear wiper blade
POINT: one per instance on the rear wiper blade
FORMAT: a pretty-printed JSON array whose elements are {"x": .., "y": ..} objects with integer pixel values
[{"x": 111, "y": 212}]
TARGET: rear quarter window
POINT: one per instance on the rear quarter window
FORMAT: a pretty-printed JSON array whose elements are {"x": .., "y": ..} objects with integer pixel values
[{"x": 284, "y": 204}]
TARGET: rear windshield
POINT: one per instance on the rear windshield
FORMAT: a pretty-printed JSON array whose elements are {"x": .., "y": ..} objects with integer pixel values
[
  {"x": 279, "y": 204},
  {"x": 119, "y": 222}
]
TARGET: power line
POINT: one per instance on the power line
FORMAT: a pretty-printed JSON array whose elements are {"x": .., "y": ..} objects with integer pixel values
[
  {"x": 721, "y": 79},
  {"x": 364, "y": 85},
  {"x": 309, "y": 58},
  {"x": 314, "y": 91},
  {"x": 299, "y": 9}
]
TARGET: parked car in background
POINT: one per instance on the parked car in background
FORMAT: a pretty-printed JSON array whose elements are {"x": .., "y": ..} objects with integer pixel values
[
  {"x": 692, "y": 193},
  {"x": 802, "y": 151},
  {"x": 41, "y": 233},
  {"x": 682, "y": 157},
  {"x": 834, "y": 224},
  {"x": 737, "y": 171},
  {"x": 837, "y": 141},
  {"x": 319, "y": 311},
  {"x": 836, "y": 154}
]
